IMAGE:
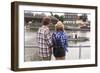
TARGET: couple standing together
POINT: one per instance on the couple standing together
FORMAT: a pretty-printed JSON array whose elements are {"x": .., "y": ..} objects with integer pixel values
[{"x": 55, "y": 44}]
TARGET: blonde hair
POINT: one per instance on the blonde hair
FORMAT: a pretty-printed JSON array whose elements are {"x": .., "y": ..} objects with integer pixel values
[{"x": 59, "y": 26}]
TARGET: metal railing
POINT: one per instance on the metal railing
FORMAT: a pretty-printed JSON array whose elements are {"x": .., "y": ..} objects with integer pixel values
[
  {"x": 34, "y": 46},
  {"x": 80, "y": 48}
]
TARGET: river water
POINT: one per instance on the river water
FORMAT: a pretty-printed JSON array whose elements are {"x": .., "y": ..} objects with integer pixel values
[
  {"x": 75, "y": 51},
  {"x": 30, "y": 38}
]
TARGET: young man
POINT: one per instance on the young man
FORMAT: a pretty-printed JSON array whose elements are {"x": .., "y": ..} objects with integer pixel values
[{"x": 44, "y": 40}]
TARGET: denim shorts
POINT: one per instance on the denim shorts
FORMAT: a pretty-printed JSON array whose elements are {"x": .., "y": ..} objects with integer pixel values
[{"x": 58, "y": 52}]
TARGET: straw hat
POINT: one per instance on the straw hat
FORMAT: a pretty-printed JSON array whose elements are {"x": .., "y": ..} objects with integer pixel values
[{"x": 59, "y": 26}]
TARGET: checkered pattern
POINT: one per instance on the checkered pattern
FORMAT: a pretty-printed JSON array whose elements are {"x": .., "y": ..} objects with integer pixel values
[
  {"x": 63, "y": 40},
  {"x": 44, "y": 41}
]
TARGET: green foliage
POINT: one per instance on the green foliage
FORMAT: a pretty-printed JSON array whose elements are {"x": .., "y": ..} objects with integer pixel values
[{"x": 61, "y": 18}]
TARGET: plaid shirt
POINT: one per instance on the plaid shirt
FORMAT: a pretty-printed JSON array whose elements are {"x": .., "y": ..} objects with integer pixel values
[{"x": 44, "y": 41}]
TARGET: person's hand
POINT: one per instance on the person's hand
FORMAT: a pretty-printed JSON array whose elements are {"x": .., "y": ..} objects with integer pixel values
[{"x": 50, "y": 50}]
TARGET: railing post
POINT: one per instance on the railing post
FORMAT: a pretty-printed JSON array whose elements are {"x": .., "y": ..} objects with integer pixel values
[{"x": 80, "y": 50}]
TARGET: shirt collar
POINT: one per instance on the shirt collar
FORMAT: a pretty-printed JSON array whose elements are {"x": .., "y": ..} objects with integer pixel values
[{"x": 45, "y": 26}]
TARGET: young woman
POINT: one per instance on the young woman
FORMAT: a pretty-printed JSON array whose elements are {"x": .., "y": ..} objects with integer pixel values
[{"x": 59, "y": 40}]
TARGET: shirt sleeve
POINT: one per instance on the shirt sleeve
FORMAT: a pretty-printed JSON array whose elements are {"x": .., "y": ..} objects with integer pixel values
[
  {"x": 65, "y": 42},
  {"x": 48, "y": 38}
]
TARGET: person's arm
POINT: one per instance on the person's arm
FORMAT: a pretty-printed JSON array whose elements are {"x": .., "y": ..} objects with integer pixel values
[
  {"x": 65, "y": 42},
  {"x": 48, "y": 38}
]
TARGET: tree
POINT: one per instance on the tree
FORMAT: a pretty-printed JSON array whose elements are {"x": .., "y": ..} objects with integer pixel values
[
  {"x": 61, "y": 18},
  {"x": 57, "y": 16}
]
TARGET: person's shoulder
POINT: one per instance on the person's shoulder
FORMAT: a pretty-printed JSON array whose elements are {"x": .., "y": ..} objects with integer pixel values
[
  {"x": 64, "y": 34},
  {"x": 54, "y": 33},
  {"x": 47, "y": 29},
  {"x": 40, "y": 29}
]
